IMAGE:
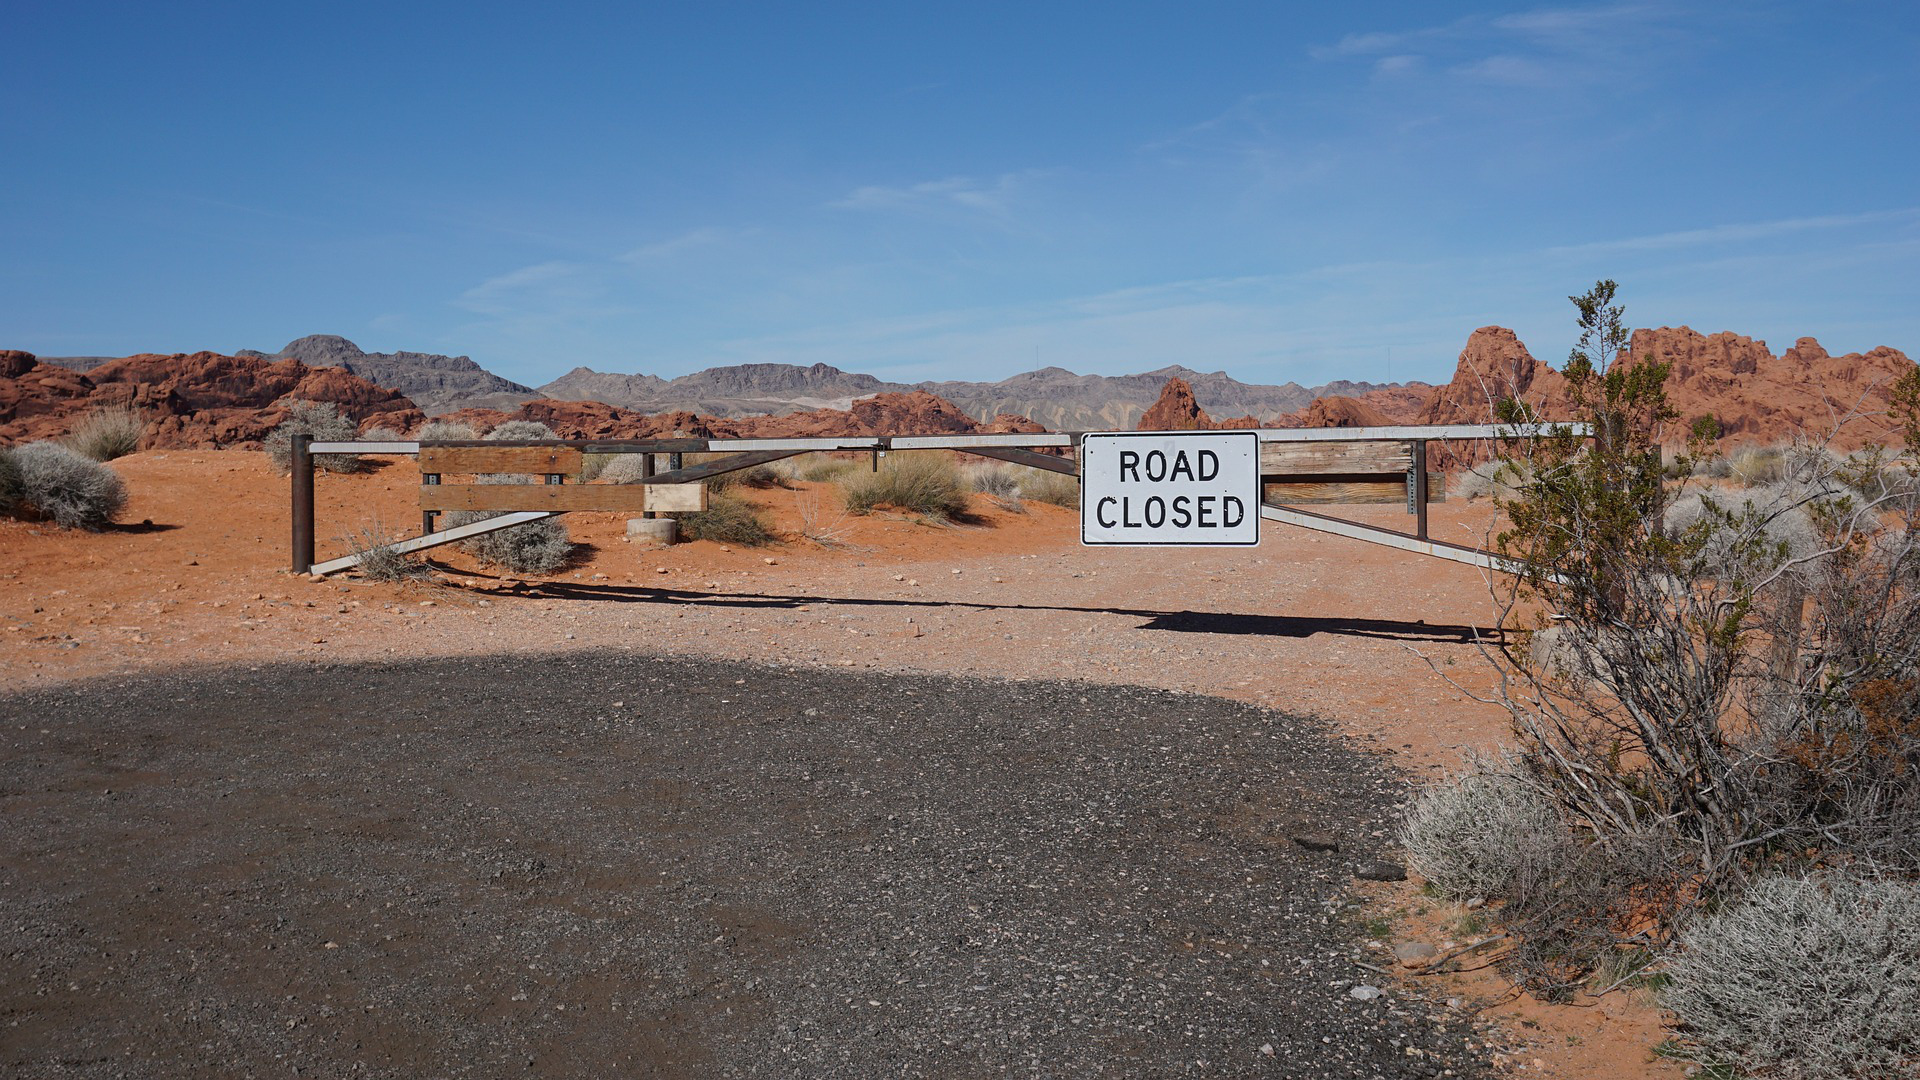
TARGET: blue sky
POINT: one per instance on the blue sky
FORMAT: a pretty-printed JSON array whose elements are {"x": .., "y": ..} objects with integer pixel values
[{"x": 1283, "y": 191}]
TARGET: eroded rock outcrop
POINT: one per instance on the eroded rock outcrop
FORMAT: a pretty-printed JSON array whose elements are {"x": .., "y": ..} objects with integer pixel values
[{"x": 188, "y": 399}]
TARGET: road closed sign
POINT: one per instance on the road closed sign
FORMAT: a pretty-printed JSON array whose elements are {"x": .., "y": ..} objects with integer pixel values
[{"x": 1170, "y": 489}]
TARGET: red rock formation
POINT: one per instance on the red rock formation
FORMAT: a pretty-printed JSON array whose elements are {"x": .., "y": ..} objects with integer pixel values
[
  {"x": 916, "y": 413},
  {"x": 1339, "y": 411},
  {"x": 1495, "y": 366},
  {"x": 201, "y": 399},
  {"x": 1762, "y": 398},
  {"x": 1175, "y": 410},
  {"x": 1756, "y": 396}
]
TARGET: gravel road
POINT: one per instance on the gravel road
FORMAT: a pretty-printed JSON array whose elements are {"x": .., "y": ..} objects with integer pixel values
[{"x": 601, "y": 864}]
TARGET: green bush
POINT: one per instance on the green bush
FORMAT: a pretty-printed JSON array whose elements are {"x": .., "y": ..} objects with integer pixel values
[
  {"x": 444, "y": 431},
  {"x": 68, "y": 488},
  {"x": 320, "y": 419},
  {"x": 728, "y": 519},
  {"x": 9, "y": 481},
  {"x": 106, "y": 434},
  {"x": 1811, "y": 977},
  {"x": 922, "y": 482}
]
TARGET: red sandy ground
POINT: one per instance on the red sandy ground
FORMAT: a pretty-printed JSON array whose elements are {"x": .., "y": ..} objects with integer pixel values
[{"x": 1305, "y": 623}]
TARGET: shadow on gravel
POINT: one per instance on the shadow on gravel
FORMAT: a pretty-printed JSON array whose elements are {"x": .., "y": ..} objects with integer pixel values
[
  {"x": 1183, "y": 622},
  {"x": 604, "y": 864}
]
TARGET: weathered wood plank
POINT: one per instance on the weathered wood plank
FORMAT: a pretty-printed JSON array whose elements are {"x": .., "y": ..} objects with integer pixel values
[
  {"x": 1320, "y": 458},
  {"x": 1348, "y": 489},
  {"x": 552, "y": 498},
  {"x": 500, "y": 459},
  {"x": 675, "y": 498}
]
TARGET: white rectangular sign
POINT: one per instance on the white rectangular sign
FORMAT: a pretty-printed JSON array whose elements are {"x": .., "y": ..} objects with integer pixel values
[{"x": 1170, "y": 488}]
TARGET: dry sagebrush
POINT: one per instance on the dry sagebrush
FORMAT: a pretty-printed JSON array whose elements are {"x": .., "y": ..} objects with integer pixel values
[
  {"x": 68, "y": 488},
  {"x": 1811, "y": 977},
  {"x": 323, "y": 421}
]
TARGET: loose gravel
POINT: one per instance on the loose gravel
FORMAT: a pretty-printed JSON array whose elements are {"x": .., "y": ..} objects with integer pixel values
[{"x": 598, "y": 863}]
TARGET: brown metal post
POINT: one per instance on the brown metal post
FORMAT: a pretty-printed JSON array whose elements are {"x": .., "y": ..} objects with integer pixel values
[
  {"x": 1420, "y": 488},
  {"x": 302, "y": 504},
  {"x": 646, "y": 470},
  {"x": 427, "y": 516}
]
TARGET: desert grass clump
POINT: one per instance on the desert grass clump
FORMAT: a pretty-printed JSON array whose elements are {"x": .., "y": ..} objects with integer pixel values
[
  {"x": 1052, "y": 488},
  {"x": 1815, "y": 977},
  {"x": 323, "y": 421},
  {"x": 108, "y": 433},
  {"x": 1474, "y": 834},
  {"x": 520, "y": 431},
  {"x": 444, "y": 431},
  {"x": 728, "y": 519},
  {"x": 68, "y": 488},
  {"x": 925, "y": 483},
  {"x": 991, "y": 478},
  {"x": 380, "y": 562},
  {"x": 820, "y": 468}
]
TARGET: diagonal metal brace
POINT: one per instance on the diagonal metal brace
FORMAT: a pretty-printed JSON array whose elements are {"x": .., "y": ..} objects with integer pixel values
[
  {"x": 695, "y": 473},
  {"x": 1028, "y": 457}
]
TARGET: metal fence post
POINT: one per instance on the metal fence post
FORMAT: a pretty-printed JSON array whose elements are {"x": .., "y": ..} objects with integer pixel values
[{"x": 302, "y": 504}]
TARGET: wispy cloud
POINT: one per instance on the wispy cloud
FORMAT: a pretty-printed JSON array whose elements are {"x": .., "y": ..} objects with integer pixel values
[
  {"x": 505, "y": 293},
  {"x": 1534, "y": 47},
  {"x": 692, "y": 240},
  {"x": 1737, "y": 233},
  {"x": 962, "y": 194}
]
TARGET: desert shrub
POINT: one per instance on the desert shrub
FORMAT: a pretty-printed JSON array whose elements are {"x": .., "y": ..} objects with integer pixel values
[
  {"x": 445, "y": 431},
  {"x": 68, "y": 488},
  {"x": 1055, "y": 489},
  {"x": 534, "y": 547},
  {"x": 921, "y": 482},
  {"x": 1470, "y": 835},
  {"x": 520, "y": 431},
  {"x": 1743, "y": 694},
  {"x": 1752, "y": 465},
  {"x": 593, "y": 465},
  {"x": 755, "y": 476},
  {"x": 320, "y": 419},
  {"x": 821, "y": 468},
  {"x": 622, "y": 468},
  {"x": 1487, "y": 479},
  {"x": 991, "y": 478},
  {"x": 381, "y": 433},
  {"x": 728, "y": 519},
  {"x": 106, "y": 434},
  {"x": 1802, "y": 976},
  {"x": 9, "y": 481},
  {"x": 380, "y": 562}
]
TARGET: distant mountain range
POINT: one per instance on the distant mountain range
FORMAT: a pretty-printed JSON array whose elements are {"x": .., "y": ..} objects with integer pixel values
[
  {"x": 1055, "y": 397},
  {"x": 436, "y": 383}
]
